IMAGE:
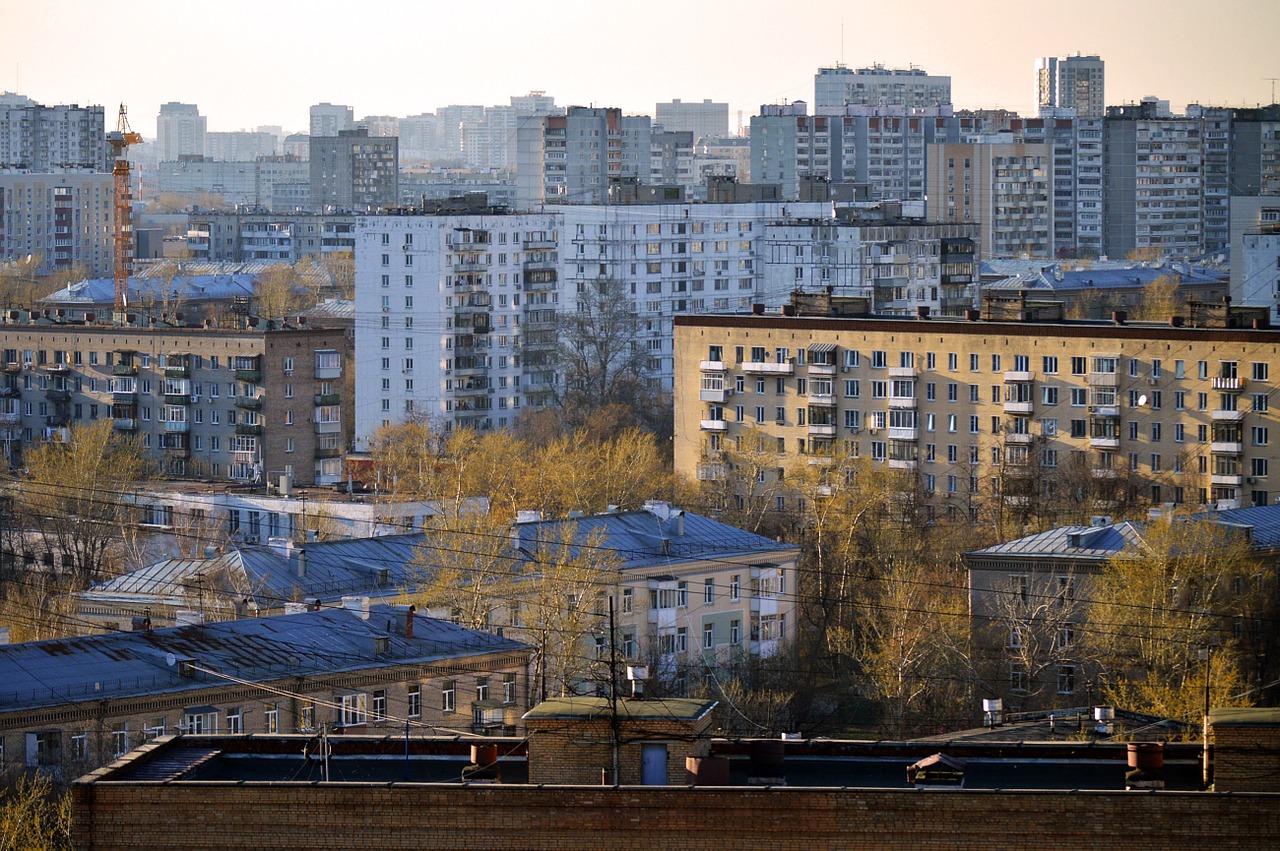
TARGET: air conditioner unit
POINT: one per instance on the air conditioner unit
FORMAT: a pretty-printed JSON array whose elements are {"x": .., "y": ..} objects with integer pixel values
[
  {"x": 873, "y": 430},
  {"x": 1153, "y": 381},
  {"x": 1251, "y": 480},
  {"x": 844, "y": 368}
]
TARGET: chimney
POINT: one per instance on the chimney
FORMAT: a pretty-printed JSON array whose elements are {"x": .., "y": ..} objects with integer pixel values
[
  {"x": 408, "y": 622},
  {"x": 1119, "y": 317},
  {"x": 143, "y": 623},
  {"x": 299, "y": 557},
  {"x": 922, "y": 311},
  {"x": 359, "y": 605}
]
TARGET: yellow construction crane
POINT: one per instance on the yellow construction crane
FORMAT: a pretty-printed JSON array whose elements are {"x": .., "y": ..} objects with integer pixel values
[{"x": 120, "y": 140}]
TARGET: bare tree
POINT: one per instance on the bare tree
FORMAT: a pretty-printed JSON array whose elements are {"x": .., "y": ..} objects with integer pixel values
[{"x": 600, "y": 355}]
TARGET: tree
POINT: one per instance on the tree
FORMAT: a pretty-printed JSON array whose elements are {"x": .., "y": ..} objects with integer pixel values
[
  {"x": 1160, "y": 605},
  {"x": 1161, "y": 299},
  {"x": 71, "y": 496},
  {"x": 34, "y": 815},
  {"x": 600, "y": 354},
  {"x": 464, "y": 570},
  {"x": 19, "y": 283},
  {"x": 278, "y": 292},
  {"x": 157, "y": 294}
]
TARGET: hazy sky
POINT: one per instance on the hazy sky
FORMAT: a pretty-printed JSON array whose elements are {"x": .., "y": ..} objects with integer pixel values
[{"x": 252, "y": 62}]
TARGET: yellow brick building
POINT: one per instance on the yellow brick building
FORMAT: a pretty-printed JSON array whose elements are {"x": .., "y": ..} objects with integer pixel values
[{"x": 1014, "y": 402}]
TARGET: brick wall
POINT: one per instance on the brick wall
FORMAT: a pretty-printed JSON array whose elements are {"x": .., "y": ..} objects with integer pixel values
[
  {"x": 259, "y": 815},
  {"x": 577, "y": 751},
  {"x": 1246, "y": 758}
]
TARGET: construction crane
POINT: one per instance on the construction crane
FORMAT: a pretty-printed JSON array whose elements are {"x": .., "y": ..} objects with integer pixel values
[{"x": 120, "y": 140}]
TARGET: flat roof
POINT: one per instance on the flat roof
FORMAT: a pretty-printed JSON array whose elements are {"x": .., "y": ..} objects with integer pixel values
[{"x": 658, "y": 709}]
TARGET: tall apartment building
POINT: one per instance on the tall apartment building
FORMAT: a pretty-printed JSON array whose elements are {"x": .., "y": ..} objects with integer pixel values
[
  {"x": 1005, "y": 188},
  {"x": 705, "y": 119},
  {"x": 671, "y": 159},
  {"x": 1071, "y": 82},
  {"x": 239, "y": 146},
  {"x": 1255, "y": 251},
  {"x": 67, "y": 219},
  {"x": 1076, "y": 190},
  {"x": 330, "y": 119},
  {"x": 211, "y": 403},
  {"x": 898, "y": 263},
  {"x": 571, "y": 158},
  {"x": 180, "y": 131},
  {"x": 251, "y": 183},
  {"x": 838, "y": 87},
  {"x": 354, "y": 171},
  {"x": 1005, "y": 413},
  {"x": 43, "y": 139},
  {"x": 455, "y": 317},
  {"x": 1154, "y": 190},
  {"x": 882, "y": 147},
  {"x": 240, "y": 236}
]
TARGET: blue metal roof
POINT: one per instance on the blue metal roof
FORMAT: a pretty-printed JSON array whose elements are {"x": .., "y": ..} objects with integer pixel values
[
  {"x": 124, "y": 664},
  {"x": 191, "y": 287}
]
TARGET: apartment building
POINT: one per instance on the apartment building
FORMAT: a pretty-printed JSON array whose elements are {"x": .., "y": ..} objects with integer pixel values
[
  {"x": 899, "y": 263},
  {"x": 66, "y": 219},
  {"x": 705, "y": 119},
  {"x": 1154, "y": 181},
  {"x": 1071, "y": 82},
  {"x": 42, "y": 139},
  {"x": 354, "y": 171},
  {"x": 330, "y": 119},
  {"x": 1004, "y": 188},
  {"x": 1008, "y": 412},
  {"x": 70, "y": 705},
  {"x": 208, "y": 402},
  {"x": 572, "y": 158},
  {"x": 244, "y": 235},
  {"x": 1255, "y": 247},
  {"x": 180, "y": 131},
  {"x": 1075, "y": 146},
  {"x": 838, "y": 87}
]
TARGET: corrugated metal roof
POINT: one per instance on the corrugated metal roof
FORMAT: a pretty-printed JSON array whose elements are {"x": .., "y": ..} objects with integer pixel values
[
  {"x": 1094, "y": 542},
  {"x": 60, "y": 671}
]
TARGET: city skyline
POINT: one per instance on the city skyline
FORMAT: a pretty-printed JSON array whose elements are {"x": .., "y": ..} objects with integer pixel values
[{"x": 709, "y": 50}]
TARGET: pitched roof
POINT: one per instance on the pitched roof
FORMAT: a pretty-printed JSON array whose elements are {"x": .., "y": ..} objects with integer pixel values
[
  {"x": 123, "y": 664},
  {"x": 1079, "y": 542}
]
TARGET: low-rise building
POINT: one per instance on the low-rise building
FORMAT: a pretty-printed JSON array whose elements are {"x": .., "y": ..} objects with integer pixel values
[{"x": 70, "y": 705}]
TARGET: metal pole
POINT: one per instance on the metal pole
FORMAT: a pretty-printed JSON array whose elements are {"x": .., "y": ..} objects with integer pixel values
[
  {"x": 1205, "y": 768},
  {"x": 613, "y": 689}
]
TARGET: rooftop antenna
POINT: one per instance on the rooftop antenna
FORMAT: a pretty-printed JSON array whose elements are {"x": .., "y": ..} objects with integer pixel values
[{"x": 1273, "y": 87}]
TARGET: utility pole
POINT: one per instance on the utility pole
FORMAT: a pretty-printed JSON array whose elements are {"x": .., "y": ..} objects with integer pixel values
[
  {"x": 1206, "y": 654},
  {"x": 613, "y": 688}
]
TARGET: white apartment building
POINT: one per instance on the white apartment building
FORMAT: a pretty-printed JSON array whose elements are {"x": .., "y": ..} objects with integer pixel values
[
  {"x": 455, "y": 315},
  {"x": 36, "y": 139},
  {"x": 65, "y": 218},
  {"x": 329, "y": 118},
  {"x": 1071, "y": 82},
  {"x": 705, "y": 119},
  {"x": 1255, "y": 251},
  {"x": 900, "y": 264},
  {"x": 571, "y": 158},
  {"x": 838, "y": 87}
]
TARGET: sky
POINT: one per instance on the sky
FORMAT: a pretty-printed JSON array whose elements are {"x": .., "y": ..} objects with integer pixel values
[{"x": 264, "y": 62}]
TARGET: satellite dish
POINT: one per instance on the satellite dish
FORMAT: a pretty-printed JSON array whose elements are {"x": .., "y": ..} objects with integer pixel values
[
  {"x": 170, "y": 659},
  {"x": 1142, "y": 400}
]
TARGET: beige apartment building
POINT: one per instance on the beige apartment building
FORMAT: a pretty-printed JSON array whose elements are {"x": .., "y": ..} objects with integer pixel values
[
  {"x": 210, "y": 402},
  {"x": 1011, "y": 408}
]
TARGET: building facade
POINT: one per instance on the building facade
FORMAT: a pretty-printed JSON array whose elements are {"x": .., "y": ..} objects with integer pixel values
[
  {"x": 1071, "y": 82},
  {"x": 354, "y": 171},
  {"x": 355, "y": 668},
  {"x": 1012, "y": 415},
  {"x": 66, "y": 219},
  {"x": 180, "y": 131},
  {"x": 1004, "y": 188},
  {"x": 703, "y": 120},
  {"x": 572, "y": 158},
  {"x": 43, "y": 139},
  {"x": 838, "y": 87},
  {"x": 223, "y": 404},
  {"x": 239, "y": 236},
  {"x": 329, "y": 119}
]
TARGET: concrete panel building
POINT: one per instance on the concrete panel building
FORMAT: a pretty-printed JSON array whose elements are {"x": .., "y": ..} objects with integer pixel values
[
  {"x": 180, "y": 131},
  {"x": 705, "y": 119},
  {"x": 572, "y": 158},
  {"x": 42, "y": 139},
  {"x": 1005, "y": 188},
  {"x": 67, "y": 219},
  {"x": 354, "y": 171},
  {"x": 330, "y": 119},
  {"x": 1071, "y": 82},
  {"x": 838, "y": 87}
]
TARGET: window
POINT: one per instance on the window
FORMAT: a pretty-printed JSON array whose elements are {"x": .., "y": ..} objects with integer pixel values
[
  {"x": 355, "y": 708},
  {"x": 508, "y": 688},
  {"x": 708, "y": 591},
  {"x": 271, "y": 717},
  {"x": 708, "y": 636},
  {"x": 205, "y": 723},
  {"x": 120, "y": 739},
  {"x": 1066, "y": 679},
  {"x": 735, "y": 587},
  {"x": 449, "y": 696},
  {"x": 1260, "y": 371},
  {"x": 628, "y": 601},
  {"x": 380, "y": 705},
  {"x": 1017, "y": 677},
  {"x": 1050, "y": 365},
  {"x": 307, "y": 717},
  {"x": 235, "y": 721}
]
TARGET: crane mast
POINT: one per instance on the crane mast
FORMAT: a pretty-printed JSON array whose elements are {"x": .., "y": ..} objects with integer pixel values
[{"x": 120, "y": 140}]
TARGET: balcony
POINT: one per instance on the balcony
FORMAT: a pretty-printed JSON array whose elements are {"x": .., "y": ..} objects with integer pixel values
[
  {"x": 706, "y": 395},
  {"x": 902, "y": 464},
  {"x": 254, "y": 429},
  {"x": 328, "y": 452},
  {"x": 1012, "y": 407},
  {"x": 1228, "y": 416},
  {"x": 249, "y": 376},
  {"x": 58, "y": 394},
  {"x": 903, "y": 372},
  {"x": 333, "y": 427},
  {"x": 787, "y": 367},
  {"x": 124, "y": 369},
  {"x": 326, "y": 399},
  {"x": 1104, "y": 412},
  {"x": 1227, "y": 447},
  {"x": 124, "y": 396},
  {"x": 9, "y": 391},
  {"x": 713, "y": 425},
  {"x": 822, "y": 400},
  {"x": 1014, "y": 438},
  {"x": 249, "y": 403},
  {"x": 122, "y": 424},
  {"x": 1105, "y": 473},
  {"x": 711, "y": 365},
  {"x": 1228, "y": 385},
  {"x": 540, "y": 245},
  {"x": 178, "y": 427},
  {"x": 59, "y": 368},
  {"x": 1226, "y": 480},
  {"x": 177, "y": 371},
  {"x": 180, "y": 399},
  {"x": 328, "y": 373},
  {"x": 10, "y": 417},
  {"x": 57, "y": 420},
  {"x": 1018, "y": 377},
  {"x": 905, "y": 403},
  {"x": 904, "y": 433},
  {"x": 819, "y": 369},
  {"x": 1104, "y": 379},
  {"x": 822, "y": 430},
  {"x": 12, "y": 366},
  {"x": 1104, "y": 442}
]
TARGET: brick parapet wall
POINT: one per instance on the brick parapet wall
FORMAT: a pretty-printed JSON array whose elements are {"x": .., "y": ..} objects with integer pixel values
[
  {"x": 261, "y": 815},
  {"x": 1246, "y": 758}
]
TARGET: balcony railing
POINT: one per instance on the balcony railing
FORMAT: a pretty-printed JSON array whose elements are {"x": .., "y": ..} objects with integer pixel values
[
  {"x": 787, "y": 367},
  {"x": 249, "y": 428}
]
